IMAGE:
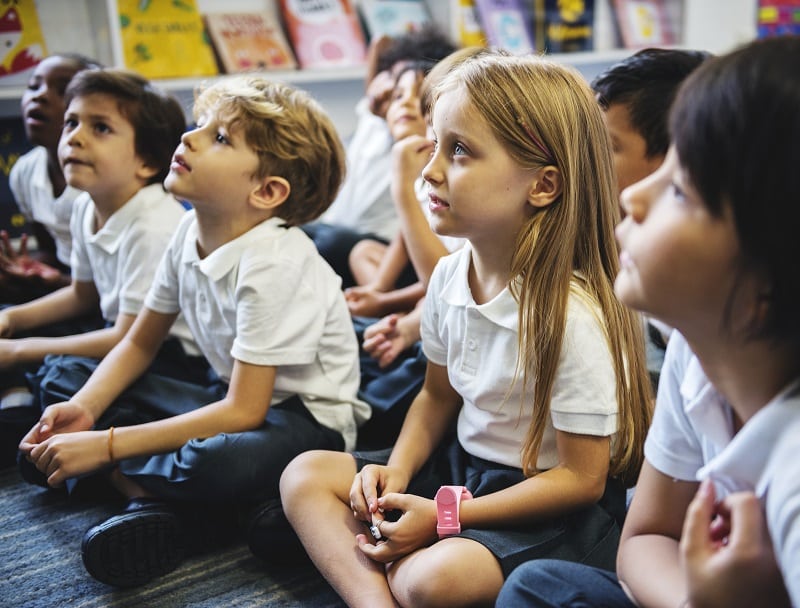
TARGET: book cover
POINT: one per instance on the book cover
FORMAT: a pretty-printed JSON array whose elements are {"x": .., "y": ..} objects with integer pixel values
[
  {"x": 165, "y": 39},
  {"x": 246, "y": 42},
  {"x": 506, "y": 23},
  {"x": 466, "y": 27},
  {"x": 21, "y": 41},
  {"x": 324, "y": 33},
  {"x": 564, "y": 27},
  {"x": 393, "y": 17},
  {"x": 778, "y": 18},
  {"x": 643, "y": 23}
]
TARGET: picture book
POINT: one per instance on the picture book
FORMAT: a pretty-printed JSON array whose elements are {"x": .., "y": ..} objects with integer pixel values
[
  {"x": 507, "y": 25},
  {"x": 21, "y": 41},
  {"x": 246, "y": 42},
  {"x": 466, "y": 28},
  {"x": 643, "y": 23},
  {"x": 778, "y": 18},
  {"x": 165, "y": 39},
  {"x": 564, "y": 27},
  {"x": 393, "y": 17},
  {"x": 324, "y": 33}
]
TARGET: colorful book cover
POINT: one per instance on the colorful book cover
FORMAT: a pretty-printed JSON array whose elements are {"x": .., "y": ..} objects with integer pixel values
[
  {"x": 564, "y": 26},
  {"x": 778, "y": 18},
  {"x": 643, "y": 23},
  {"x": 506, "y": 23},
  {"x": 165, "y": 39},
  {"x": 21, "y": 40},
  {"x": 466, "y": 27},
  {"x": 246, "y": 42},
  {"x": 393, "y": 17},
  {"x": 324, "y": 33}
]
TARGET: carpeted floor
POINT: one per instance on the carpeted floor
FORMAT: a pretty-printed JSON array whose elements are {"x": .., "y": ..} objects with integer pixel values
[{"x": 40, "y": 564}]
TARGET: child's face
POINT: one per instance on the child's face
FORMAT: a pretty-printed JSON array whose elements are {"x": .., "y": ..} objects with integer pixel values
[
  {"x": 213, "y": 167},
  {"x": 404, "y": 114},
  {"x": 477, "y": 190},
  {"x": 42, "y": 101},
  {"x": 629, "y": 148},
  {"x": 97, "y": 150},
  {"x": 677, "y": 261}
]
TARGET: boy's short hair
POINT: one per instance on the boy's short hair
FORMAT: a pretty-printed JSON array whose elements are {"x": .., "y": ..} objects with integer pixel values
[
  {"x": 292, "y": 135},
  {"x": 428, "y": 43},
  {"x": 157, "y": 118},
  {"x": 646, "y": 83}
]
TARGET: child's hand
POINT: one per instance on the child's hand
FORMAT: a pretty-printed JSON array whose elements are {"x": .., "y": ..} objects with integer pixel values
[
  {"x": 67, "y": 455},
  {"x": 369, "y": 484},
  {"x": 385, "y": 340},
  {"x": 409, "y": 157},
  {"x": 20, "y": 265},
  {"x": 729, "y": 562},
  {"x": 65, "y": 417},
  {"x": 364, "y": 301},
  {"x": 416, "y": 527}
]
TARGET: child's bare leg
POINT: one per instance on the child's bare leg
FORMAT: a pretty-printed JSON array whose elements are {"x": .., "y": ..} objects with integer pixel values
[
  {"x": 452, "y": 572},
  {"x": 365, "y": 259},
  {"x": 315, "y": 492}
]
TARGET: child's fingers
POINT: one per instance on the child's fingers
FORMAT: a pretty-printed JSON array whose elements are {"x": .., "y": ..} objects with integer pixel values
[
  {"x": 748, "y": 527},
  {"x": 695, "y": 538}
]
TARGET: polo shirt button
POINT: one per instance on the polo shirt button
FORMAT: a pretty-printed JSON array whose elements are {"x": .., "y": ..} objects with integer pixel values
[{"x": 471, "y": 344}]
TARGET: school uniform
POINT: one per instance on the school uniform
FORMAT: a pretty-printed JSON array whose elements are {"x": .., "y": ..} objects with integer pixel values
[
  {"x": 479, "y": 343},
  {"x": 692, "y": 437},
  {"x": 265, "y": 298},
  {"x": 33, "y": 192}
]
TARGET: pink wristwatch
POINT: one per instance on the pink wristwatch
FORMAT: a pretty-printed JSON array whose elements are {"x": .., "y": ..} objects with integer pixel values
[{"x": 448, "y": 500}]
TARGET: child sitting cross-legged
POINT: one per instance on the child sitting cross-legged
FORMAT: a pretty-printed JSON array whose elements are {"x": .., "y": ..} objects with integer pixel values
[{"x": 267, "y": 312}]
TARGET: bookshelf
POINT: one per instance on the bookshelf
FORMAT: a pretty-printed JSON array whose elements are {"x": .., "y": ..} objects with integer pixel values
[{"x": 92, "y": 27}]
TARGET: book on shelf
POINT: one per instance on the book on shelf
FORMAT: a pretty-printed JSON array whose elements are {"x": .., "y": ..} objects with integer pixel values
[
  {"x": 643, "y": 23},
  {"x": 324, "y": 33},
  {"x": 507, "y": 25},
  {"x": 393, "y": 17},
  {"x": 246, "y": 42},
  {"x": 564, "y": 27},
  {"x": 165, "y": 39},
  {"x": 778, "y": 18},
  {"x": 13, "y": 144},
  {"x": 466, "y": 29},
  {"x": 22, "y": 44}
]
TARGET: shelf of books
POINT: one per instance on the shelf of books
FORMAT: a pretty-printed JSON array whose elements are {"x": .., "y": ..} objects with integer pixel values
[{"x": 182, "y": 43}]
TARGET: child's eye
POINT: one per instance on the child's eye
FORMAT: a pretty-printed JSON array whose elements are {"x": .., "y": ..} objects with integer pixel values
[
  {"x": 220, "y": 138},
  {"x": 69, "y": 123},
  {"x": 102, "y": 127},
  {"x": 459, "y": 149},
  {"x": 677, "y": 193}
]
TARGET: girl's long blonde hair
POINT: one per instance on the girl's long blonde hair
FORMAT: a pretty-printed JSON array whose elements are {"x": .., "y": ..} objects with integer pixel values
[{"x": 545, "y": 114}]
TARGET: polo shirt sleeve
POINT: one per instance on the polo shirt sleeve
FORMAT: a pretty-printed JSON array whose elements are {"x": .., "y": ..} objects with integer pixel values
[
  {"x": 672, "y": 445},
  {"x": 80, "y": 264},
  {"x": 584, "y": 398}
]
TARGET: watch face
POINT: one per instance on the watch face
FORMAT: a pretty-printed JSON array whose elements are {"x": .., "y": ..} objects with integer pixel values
[{"x": 446, "y": 496}]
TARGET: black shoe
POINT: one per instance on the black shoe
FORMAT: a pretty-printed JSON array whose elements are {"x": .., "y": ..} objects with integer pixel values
[
  {"x": 143, "y": 542},
  {"x": 270, "y": 535}
]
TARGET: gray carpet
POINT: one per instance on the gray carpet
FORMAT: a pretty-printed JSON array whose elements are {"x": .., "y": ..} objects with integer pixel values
[{"x": 40, "y": 564}]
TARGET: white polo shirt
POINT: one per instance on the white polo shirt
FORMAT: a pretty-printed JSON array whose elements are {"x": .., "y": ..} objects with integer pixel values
[
  {"x": 692, "y": 438},
  {"x": 122, "y": 257},
  {"x": 478, "y": 344},
  {"x": 268, "y": 298},
  {"x": 30, "y": 184},
  {"x": 364, "y": 203}
]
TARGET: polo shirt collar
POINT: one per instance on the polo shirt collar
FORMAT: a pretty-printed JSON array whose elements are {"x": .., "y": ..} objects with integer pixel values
[
  {"x": 110, "y": 237},
  {"x": 741, "y": 461},
  {"x": 225, "y": 258},
  {"x": 502, "y": 310}
]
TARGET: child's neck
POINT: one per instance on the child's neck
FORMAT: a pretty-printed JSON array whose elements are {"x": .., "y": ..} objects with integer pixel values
[
  {"x": 748, "y": 373},
  {"x": 107, "y": 204},
  {"x": 215, "y": 230},
  {"x": 489, "y": 272}
]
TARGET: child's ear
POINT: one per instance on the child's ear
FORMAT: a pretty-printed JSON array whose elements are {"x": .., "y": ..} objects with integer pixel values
[
  {"x": 546, "y": 186},
  {"x": 145, "y": 173},
  {"x": 270, "y": 193}
]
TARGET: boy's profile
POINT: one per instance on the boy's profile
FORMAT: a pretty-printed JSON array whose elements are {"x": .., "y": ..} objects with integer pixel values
[{"x": 266, "y": 311}]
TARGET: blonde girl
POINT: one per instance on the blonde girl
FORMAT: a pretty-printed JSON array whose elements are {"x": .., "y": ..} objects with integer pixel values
[{"x": 531, "y": 360}]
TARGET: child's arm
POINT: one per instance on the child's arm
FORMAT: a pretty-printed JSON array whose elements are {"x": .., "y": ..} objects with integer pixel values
[
  {"x": 648, "y": 561},
  {"x": 364, "y": 302},
  {"x": 78, "y": 298},
  {"x": 390, "y": 336}
]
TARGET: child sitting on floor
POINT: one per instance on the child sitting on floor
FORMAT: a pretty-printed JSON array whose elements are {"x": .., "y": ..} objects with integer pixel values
[{"x": 265, "y": 309}]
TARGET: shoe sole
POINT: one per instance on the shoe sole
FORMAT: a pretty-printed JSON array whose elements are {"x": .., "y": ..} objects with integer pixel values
[{"x": 133, "y": 548}]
